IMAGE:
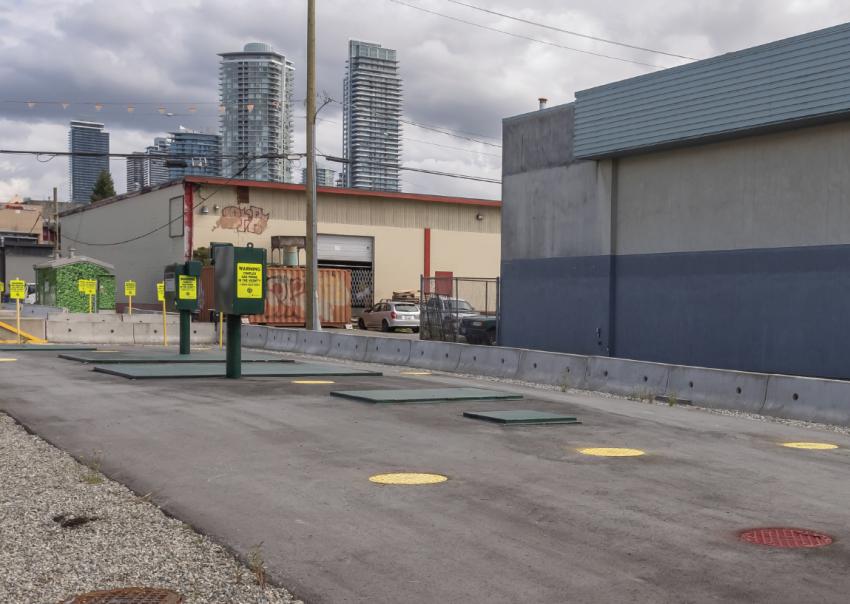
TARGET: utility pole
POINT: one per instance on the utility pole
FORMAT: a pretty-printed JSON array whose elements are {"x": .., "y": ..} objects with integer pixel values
[
  {"x": 55, "y": 223},
  {"x": 312, "y": 293}
]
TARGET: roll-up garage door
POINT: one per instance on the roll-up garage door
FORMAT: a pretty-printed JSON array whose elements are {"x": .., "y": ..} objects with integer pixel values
[{"x": 355, "y": 254}]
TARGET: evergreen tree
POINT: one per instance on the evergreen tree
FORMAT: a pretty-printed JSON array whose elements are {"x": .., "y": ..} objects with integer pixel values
[{"x": 104, "y": 187}]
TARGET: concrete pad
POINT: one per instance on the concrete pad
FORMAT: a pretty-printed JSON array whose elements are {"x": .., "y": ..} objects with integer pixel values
[
  {"x": 153, "y": 356},
  {"x": 254, "y": 336},
  {"x": 390, "y": 351},
  {"x": 718, "y": 388},
  {"x": 552, "y": 368},
  {"x": 344, "y": 346},
  {"x": 425, "y": 395},
  {"x": 440, "y": 356},
  {"x": 494, "y": 361},
  {"x": 140, "y": 371},
  {"x": 313, "y": 342},
  {"x": 809, "y": 399},
  {"x": 281, "y": 339},
  {"x": 630, "y": 378}
]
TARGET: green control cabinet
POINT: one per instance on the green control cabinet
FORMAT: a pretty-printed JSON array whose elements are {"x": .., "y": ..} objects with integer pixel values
[
  {"x": 181, "y": 293},
  {"x": 240, "y": 289},
  {"x": 181, "y": 285}
]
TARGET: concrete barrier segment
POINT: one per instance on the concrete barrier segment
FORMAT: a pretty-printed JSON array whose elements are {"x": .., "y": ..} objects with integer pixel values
[
  {"x": 553, "y": 368},
  {"x": 717, "y": 388},
  {"x": 390, "y": 351},
  {"x": 493, "y": 361},
  {"x": 626, "y": 377},
  {"x": 439, "y": 356}
]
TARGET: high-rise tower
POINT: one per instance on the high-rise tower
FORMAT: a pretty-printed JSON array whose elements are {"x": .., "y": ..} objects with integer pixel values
[
  {"x": 371, "y": 131},
  {"x": 86, "y": 137},
  {"x": 255, "y": 88}
]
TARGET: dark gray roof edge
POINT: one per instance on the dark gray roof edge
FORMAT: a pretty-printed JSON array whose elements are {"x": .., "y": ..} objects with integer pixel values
[
  {"x": 122, "y": 197},
  {"x": 528, "y": 114},
  {"x": 74, "y": 260}
]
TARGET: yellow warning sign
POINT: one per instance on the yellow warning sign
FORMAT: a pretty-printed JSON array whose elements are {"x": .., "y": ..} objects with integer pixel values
[
  {"x": 129, "y": 288},
  {"x": 87, "y": 286},
  {"x": 249, "y": 280},
  {"x": 17, "y": 289},
  {"x": 160, "y": 292},
  {"x": 2, "y": 287},
  {"x": 187, "y": 287}
]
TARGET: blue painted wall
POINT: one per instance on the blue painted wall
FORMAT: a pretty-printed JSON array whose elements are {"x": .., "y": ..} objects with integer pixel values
[{"x": 766, "y": 310}]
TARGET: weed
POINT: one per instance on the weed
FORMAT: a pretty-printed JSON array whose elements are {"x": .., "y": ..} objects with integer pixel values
[
  {"x": 565, "y": 382},
  {"x": 257, "y": 564},
  {"x": 238, "y": 574},
  {"x": 92, "y": 474},
  {"x": 672, "y": 400}
]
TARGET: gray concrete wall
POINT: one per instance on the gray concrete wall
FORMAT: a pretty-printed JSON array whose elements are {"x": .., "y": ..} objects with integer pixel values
[
  {"x": 20, "y": 261},
  {"x": 143, "y": 260}
]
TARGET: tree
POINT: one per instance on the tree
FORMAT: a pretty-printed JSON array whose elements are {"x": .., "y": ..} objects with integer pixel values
[{"x": 104, "y": 187}]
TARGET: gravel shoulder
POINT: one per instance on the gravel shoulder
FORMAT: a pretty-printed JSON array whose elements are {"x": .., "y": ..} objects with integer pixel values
[{"x": 111, "y": 537}]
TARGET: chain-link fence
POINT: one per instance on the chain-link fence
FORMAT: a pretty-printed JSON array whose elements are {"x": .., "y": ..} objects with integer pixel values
[
  {"x": 362, "y": 287},
  {"x": 459, "y": 309}
]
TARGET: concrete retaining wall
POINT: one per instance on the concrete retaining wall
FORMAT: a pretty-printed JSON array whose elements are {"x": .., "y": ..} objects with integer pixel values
[
  {"x": 810, "y": 399},
  {"x": 118, "y": 332}
]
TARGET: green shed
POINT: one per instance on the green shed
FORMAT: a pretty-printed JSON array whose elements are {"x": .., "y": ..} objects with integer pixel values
[{"x": 57, "y": 283}]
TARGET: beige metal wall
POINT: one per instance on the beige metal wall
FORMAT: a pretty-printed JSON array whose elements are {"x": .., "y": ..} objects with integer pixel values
[
  {"x": 142, "y": 260},
  {"x": 460, "y": 242},
  {"x": 23, "y": 219}
]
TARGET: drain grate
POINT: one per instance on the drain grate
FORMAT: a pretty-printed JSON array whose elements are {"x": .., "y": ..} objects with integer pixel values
[
  {"x": 129, "y": 595},
  {"x": 785, "y": 537}
]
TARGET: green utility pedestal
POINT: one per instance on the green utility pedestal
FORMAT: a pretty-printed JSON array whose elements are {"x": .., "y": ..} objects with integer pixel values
[
  {"x": 240, "y": 289},
  {"x": 181, "y": 294}
]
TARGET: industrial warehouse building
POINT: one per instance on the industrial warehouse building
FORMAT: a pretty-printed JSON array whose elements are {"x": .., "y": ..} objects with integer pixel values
[
  {"x": 387, "y": 240},
  {"x": 698, "y": 215}
]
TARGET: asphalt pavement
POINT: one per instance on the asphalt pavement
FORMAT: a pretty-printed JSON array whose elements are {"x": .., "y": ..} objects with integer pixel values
[{"x": 523, "y": 517}]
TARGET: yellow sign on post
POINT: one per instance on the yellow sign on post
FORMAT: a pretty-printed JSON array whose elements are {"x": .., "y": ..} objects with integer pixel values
[
  {"x": 18, "y": 291},
  {"x": 187, "y": 287},
  {"x": 2, "y": 287},
  {"x": 130, "y": 291},
  {"x": 89, "y": 288},
  {"x": 249, "y": 280},
  {"x": 160, "y": 297}
]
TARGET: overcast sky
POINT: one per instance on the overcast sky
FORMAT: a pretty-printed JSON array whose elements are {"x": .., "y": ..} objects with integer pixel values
[{"x": 456, "y": 76}]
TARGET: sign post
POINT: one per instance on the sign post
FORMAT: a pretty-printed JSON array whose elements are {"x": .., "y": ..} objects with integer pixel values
[
  {"x": 160, "y": 297},
  {"x": 130, "y": 291},
  {"x": 89, "y": 288},
  {"x": 18, "y": 291},
  {"x": 220, "y": 331}
]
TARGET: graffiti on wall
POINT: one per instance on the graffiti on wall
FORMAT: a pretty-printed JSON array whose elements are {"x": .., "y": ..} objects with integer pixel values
[{"x": 251, "y": 219}]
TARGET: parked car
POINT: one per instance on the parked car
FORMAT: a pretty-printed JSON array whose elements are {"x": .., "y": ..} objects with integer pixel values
[
  {"x": 389, "y": 315},
  {"x": 443, "y": 316},
  {"x": 479, "y": 329}
]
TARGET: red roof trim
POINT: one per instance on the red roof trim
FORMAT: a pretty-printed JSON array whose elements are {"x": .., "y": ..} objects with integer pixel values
[{"x": 281, "y": 186}]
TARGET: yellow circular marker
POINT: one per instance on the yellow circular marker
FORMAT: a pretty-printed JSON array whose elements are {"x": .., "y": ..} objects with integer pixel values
[
  {"x": 611, "y": 452},
  {"x": 105, "y": 351},
  {"x": 8, "y": 360},
  {"x": 313, "y": 382},
  {"x": 811, "y": 446},
  {"x": 408, "y": 478},
  {"x": 415, "y": 373}
]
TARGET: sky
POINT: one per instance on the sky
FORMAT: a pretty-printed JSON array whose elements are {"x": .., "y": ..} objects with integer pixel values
[{"x": 457, "y": 77}]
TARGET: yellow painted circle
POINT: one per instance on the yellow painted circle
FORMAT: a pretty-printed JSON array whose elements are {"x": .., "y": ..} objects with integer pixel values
[
  {"x": 415, "y": 373},
  {"x": 312, "y": 382},
  {"x": 408, "y": 478},
  {"x": 812, "y": 446},
  {"x": 611, "y": 452},
  {"x": 105, "y": 351},
  {"x": 8, "y": 360}
]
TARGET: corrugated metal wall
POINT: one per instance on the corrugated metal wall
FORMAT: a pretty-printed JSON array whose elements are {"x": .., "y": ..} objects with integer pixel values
[
  {"x": 285, "y": 297},
  {"x": 778, "y": 84}
]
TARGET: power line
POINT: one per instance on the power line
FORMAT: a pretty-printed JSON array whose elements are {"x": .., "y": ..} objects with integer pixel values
[
  {"x": 572, "y": 33},
  {"x": 528, "y": 38},
  {"x": 448, "y": 132},
  {"x": 333, "y": 158}
]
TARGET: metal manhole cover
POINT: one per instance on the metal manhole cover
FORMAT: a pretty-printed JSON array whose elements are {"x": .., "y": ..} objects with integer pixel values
[
  {"x": 785, "y": 537},
  {"x": 129, "y": 595}
]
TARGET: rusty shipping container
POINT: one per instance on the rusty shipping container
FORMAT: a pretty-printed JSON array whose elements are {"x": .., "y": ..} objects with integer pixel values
[{"x": 286, "y": 301}]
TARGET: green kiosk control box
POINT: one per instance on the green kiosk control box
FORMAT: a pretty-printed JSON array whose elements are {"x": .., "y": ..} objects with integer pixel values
[
  {"x": 181, "y": 285},
  {"x": 240, "y": 279}
]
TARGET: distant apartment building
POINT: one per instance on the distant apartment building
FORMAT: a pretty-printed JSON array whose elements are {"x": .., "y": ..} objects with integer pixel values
[
  {"x": 372, "y": 99},
  {"x": 146, "y": 169},
  {"x": 86, "y": 137},
  {"x": 200, "y": 152},
  {"x": 325, "y": 177},
  {"x": 256, "y": 92}
]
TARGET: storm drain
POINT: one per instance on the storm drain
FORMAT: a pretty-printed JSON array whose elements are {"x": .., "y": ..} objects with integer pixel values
[
  {"x": 129, "y": 595},
  {"x": 521, "y": 417},
  {"x": 785, "y": 537}
]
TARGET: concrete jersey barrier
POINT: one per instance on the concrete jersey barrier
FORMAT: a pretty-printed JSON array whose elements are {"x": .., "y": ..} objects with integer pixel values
[
  {"x": 439, "y": 356},
  {"x": 552, "y": 368},
  {"x": 626, "y": 377},
  {"x": 718, "y": 388},
  {"x": 346, "y": 346},
  {"x": 493, "y": 361},
  {"x": 390, "y": 351}
]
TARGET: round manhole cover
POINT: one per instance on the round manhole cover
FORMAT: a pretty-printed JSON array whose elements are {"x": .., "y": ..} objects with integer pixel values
[
  {"x": 129, "y": 595},
  {"x": 785, "y": 537}
]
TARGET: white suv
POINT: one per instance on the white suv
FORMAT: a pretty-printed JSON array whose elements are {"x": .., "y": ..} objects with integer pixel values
[{"x": 389, "y": 315}]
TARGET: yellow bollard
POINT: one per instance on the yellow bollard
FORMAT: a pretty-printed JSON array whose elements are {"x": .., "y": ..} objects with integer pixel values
[
  {"x": 18, "y": 317},
  {"x": 220, "y": 331}
]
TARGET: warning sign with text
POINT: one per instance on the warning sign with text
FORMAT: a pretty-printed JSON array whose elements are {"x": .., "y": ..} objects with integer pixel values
[
  {"x": 249, "y": 280},
  {"x": 2, "y": 287},
  {"x": 129, "y": 288},
  {"x": 187, "y": 287},
  {"x": 17, "y": 289},
  {"x": 160, "y": 292},
  {"x": 87, "y": 286}
]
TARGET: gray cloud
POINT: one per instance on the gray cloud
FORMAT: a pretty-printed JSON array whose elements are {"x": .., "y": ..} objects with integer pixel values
[{"x": 455, "y": 76}]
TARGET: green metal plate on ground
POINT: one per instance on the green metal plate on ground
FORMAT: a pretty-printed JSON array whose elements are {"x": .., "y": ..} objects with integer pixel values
[
  {"x": 521, "y": 416},
  {"x": 43, "y": 347},
  {"x": 107, "y": 358},
  {"x": 142, "y": 371},
  {"x": 426, "y": 395}
]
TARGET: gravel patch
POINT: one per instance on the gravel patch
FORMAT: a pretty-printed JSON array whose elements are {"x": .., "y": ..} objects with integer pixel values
[{"x": 65, "y": 529}]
